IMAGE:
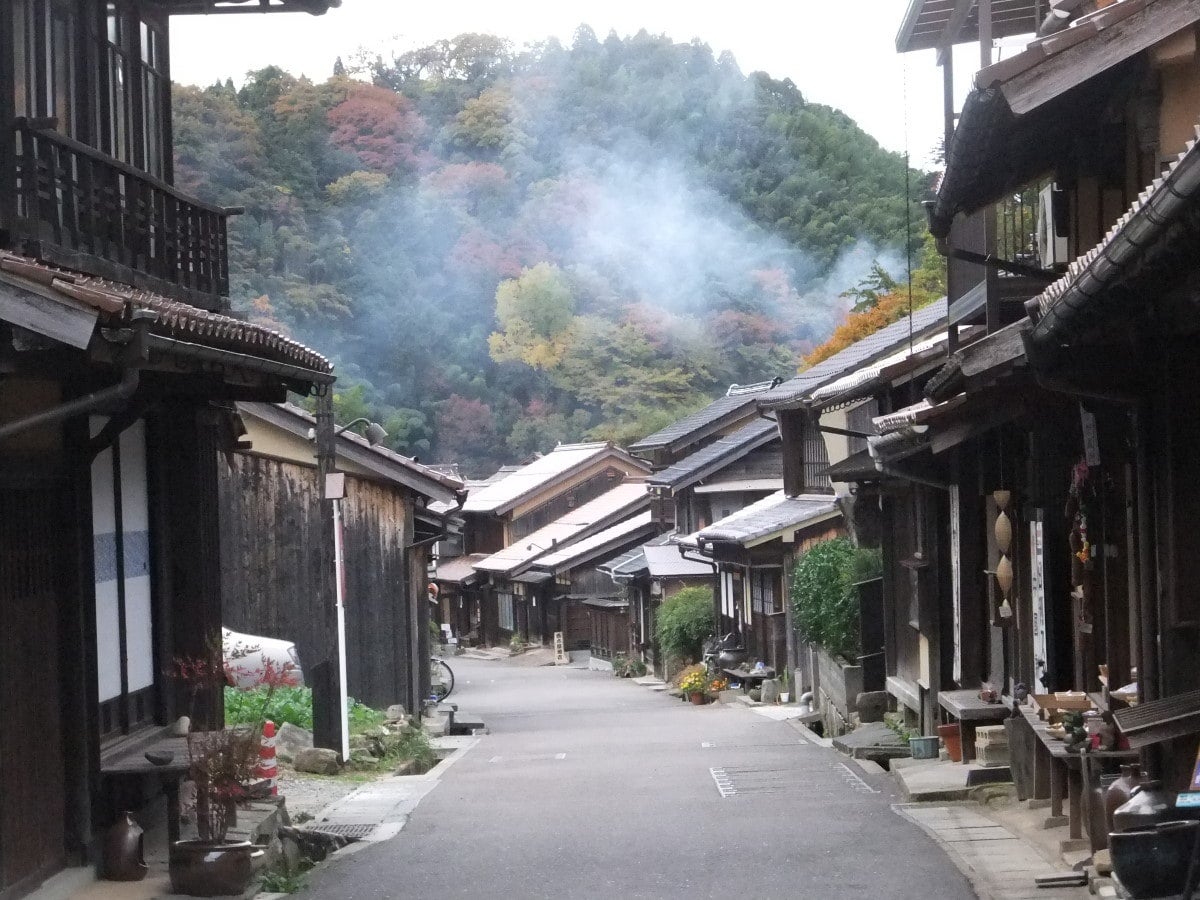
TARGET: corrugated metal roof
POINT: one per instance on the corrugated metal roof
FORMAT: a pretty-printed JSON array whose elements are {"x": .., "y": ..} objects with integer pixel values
[
  {"x": 591, "y": 516},
  {"x": 528, "y": 479},
  {"x": 737, "y": 398},
  {"x": 664, "y": 561},
  {"x": 581, "y": 550},
  {"x": 770, "y": 516},
  {"x": 875, "y": 346},
  {"x": 721, "y": 452}
]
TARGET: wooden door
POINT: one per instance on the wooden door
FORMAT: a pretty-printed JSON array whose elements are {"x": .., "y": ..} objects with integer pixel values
[
  {"x": 576, "y": 625},
  {"x": 32, "y": 800}
]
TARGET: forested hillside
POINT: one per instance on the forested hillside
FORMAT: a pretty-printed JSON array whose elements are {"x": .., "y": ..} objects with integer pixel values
[{"x": 505, "y": 249}]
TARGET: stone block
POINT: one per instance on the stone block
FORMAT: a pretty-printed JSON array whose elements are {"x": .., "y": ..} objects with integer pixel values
[
  {"x": 991, "y": 755},
  {"x": 769, "y": 691},
  {"x": 871, "y": 705},
  {"x": 291, "y": 739},
  {"x": 318, "y": 761}
]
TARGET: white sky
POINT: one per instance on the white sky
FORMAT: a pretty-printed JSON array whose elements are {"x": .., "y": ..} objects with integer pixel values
[{"x": 839, "y": 52}]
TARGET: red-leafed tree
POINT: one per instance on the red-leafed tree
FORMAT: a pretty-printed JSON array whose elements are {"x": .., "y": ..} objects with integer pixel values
[{"x": 379, "y": 127}]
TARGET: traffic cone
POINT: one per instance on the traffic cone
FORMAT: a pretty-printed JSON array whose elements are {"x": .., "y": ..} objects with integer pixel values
[{"x": 267, "y": 768}]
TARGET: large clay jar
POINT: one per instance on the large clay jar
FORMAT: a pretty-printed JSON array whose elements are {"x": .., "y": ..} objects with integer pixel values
[
  {"x": 1097, "y": 817},
  {"x": 124, "y": 859},
  {"x": 1148, "y": 805},
  {"x": 1120, "y": 791}
]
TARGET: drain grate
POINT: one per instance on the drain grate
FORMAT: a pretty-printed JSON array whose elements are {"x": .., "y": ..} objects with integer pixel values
[{"x": 358, "y": 832}]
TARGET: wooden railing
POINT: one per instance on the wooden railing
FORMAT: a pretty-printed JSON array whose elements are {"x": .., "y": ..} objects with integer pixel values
[{"x": 87, "y": 211}]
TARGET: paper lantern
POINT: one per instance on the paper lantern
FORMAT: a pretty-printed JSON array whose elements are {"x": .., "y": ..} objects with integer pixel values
[
  {"x": 1004, "y": 576},
  {"x": 1004, "y": 532}
]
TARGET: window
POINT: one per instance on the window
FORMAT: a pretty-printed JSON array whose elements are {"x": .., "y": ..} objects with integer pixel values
[
  {"x": 153, "y": 81},
  {"x": 505, "y": 603},
  {"x": 44, "y": 55},
  {"x": 116, "y": 138},
  {"x": 765, "y": 595},
  {"x": 125, "y": 666}
]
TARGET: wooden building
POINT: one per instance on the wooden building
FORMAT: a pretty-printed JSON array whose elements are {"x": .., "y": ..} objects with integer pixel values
[
  {"x": 1050, "y": 448},
  {"x": 529, "y": 600},
  {"x": 502, "y": 517},
  {"x": 650, "y": 575},
  {"x": 118, "y": 377},
  {"x": 277, "y": 580}
]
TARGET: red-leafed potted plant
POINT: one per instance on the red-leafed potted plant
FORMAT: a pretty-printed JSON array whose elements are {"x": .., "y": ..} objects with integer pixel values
[{"x": 221, "y": 764}]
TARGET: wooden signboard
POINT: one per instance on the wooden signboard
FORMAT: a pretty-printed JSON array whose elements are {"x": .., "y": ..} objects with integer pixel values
[{"x": 560, "y": 654}]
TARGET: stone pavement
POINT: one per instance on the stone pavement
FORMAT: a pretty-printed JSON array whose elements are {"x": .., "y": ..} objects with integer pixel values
[{"x": 999, "y": 864}]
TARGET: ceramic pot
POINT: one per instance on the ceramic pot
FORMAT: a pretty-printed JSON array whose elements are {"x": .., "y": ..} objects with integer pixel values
[
  {"x": 1097, "y": 823},
  {"x": 952, "y": 739},
  {"x": 124, "y": 858},
  {"x": 924, "y": 747},
  {"x": 211, "y": 869},
  {"x": 1148, "y": 805},
  {"x": 1153, "y": 862},
  {"x": 1120, "y": 791},
  {"x": 697, "y": 698}
]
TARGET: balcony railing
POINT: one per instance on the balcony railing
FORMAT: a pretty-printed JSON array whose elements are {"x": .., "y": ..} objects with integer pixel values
[{"x": 84, "y": 210}]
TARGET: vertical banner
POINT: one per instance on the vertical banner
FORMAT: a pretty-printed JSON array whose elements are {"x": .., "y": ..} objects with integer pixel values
[
  {"x": 1037, "y": 569},
  {"x": 956, "y": 580}
]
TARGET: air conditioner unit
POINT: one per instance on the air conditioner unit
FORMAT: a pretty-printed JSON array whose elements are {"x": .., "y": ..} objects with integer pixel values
[{"x": 1052, "y": 227}]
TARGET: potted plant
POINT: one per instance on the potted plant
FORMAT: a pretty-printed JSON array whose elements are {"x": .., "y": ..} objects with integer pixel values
[
  {"x": 784, "y": 694},
  {"x": 694, "y": 685},
  {"x": 221, "y": 764},
  {"x": 716, "y": 684}
]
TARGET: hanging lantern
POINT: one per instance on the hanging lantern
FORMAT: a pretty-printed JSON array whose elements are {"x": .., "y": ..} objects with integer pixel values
[{"x": 1002, "y": 498}]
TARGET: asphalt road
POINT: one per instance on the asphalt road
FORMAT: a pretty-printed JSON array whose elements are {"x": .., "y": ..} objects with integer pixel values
[{"x": 591, "y": 786}]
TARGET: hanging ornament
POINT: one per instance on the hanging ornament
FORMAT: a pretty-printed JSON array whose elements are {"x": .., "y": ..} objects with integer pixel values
[
  {"x": 1004, "y": 576},
  {"x": 1004, "y": 532},
  {"x": 1002, "y": 498}
]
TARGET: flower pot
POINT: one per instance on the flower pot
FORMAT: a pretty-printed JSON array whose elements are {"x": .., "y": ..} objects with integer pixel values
[
  {"x": 211, "y": 868},
  {"x": 784, "y": 697},
  {"x": 952, "y": 737},
  {"x": 697, "y": 698},
  {"x": 924, "y": 747}
]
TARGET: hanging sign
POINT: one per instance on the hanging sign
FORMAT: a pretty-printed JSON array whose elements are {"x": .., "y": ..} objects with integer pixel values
[{"x": 1091, "y": 441}]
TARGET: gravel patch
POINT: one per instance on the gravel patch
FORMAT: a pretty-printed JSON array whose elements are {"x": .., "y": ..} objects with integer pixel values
[{"x": 312, "y": 793}]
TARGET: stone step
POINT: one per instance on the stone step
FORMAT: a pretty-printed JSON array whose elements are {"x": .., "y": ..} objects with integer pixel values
[{"x": 467, "y": 724}]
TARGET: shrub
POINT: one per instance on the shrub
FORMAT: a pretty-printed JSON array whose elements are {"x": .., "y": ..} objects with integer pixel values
[
  {"x": 625, "y": 667},
  {"x": 289, "y": 704},
  {"x": 823, "y": 596},
  {"x": 684, "y": 621}
]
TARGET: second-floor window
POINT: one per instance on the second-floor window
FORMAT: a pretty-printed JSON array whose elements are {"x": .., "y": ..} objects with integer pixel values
[{"x": 45, "y": 53}]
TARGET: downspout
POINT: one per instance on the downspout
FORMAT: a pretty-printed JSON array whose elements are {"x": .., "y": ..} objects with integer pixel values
[
  {"x": 121, "y": 391},
  {"x": 1148, "y": 601}
]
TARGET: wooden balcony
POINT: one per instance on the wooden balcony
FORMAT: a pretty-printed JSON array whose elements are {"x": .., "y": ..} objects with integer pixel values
[{"x": 80, "y": 209}]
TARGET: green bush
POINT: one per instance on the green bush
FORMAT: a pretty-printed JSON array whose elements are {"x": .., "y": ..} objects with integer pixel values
[
  {"x": 684, "y": 621},
  {"x": 824, "y": 598},
  {"x": 867, "y": 565},
  {"x": 289, "y": 704}
]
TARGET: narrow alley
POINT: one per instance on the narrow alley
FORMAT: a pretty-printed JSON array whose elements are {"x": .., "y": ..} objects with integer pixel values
[{"x": 588, "y": 785}]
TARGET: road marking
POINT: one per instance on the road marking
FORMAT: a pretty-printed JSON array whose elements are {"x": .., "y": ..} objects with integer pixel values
[
  {"x": 851, "y": 778},
  {"x": 724, "y": 782},
  {"x": 560, "y": 756},
  {"x": 707, "y": 745}
]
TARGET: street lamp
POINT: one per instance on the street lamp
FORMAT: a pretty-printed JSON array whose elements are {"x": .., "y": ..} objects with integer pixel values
[{"x": 335, "y": 491}]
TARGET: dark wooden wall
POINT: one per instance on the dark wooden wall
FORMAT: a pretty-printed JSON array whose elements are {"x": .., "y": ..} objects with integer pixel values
[{"x": 277, "y": 571}]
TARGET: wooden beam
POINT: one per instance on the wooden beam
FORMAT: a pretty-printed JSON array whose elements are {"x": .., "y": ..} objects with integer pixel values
[
  {"x": 958, "y": 18},
  {"x": 66, "y": 323}
]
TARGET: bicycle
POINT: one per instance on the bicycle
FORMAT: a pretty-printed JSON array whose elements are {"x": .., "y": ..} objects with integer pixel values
[{"x": 441, "y": 679}]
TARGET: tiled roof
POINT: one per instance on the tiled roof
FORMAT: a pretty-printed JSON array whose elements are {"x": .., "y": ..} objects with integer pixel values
[
  {"x": 458, "y": 569},
  {"x": 717, "y": 454},
  {"x": 589, "y": 518},
  {"x": 588, "y": 548},
  {"x": 887, "y": 340},
  {"x": 500, "y": 496},
  {"x": 738, "y": 397},
  {"x": 770, "y": 516},
  {"x": 116, "y": 303},
  {"x": 1144, "y": 247}
]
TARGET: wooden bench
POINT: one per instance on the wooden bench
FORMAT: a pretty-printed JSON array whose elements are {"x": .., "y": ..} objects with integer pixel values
[
  {"x": 127, "y": 762},
  {"x": 750, "y": 678},
  {"x": 970, "y": 711}
]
